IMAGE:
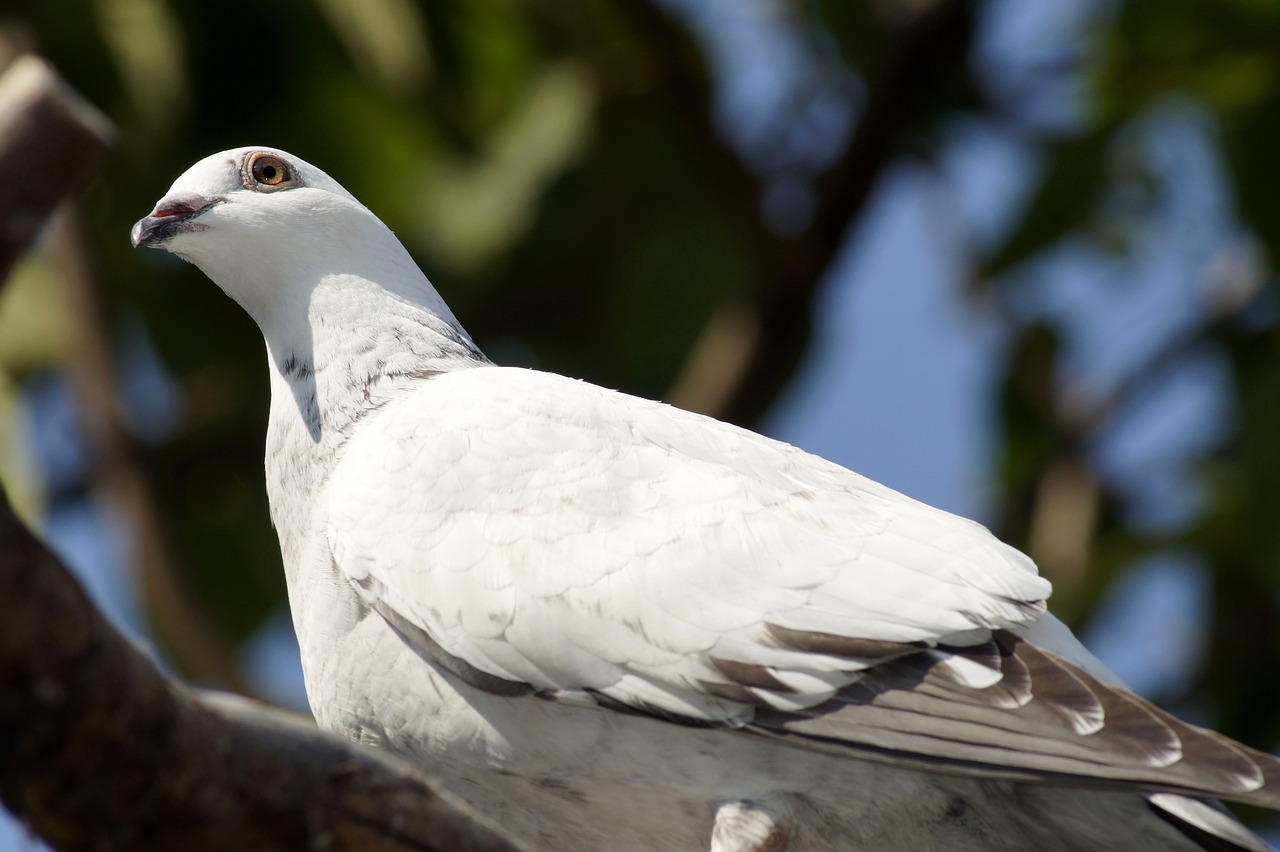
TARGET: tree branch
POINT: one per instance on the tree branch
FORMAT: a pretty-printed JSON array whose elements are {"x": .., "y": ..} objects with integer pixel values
[
  {"x": 51, "y": 143},
  {"x": 101, "y": 751}
]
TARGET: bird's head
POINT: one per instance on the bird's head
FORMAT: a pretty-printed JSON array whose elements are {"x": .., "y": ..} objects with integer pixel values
[{"x": 268, "y": 227}]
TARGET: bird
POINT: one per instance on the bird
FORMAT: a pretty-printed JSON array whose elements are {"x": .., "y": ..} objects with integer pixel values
[{"x": 609, "y": 623}]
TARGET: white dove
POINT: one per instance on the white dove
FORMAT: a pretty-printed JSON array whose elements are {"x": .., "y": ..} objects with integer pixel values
[{"x": 612, "y": 624}]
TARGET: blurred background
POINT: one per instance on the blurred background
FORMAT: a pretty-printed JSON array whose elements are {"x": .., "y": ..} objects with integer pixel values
[{"x": 1014, "y": 259}]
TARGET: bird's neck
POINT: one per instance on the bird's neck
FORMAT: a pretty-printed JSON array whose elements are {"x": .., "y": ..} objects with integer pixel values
[
  {"x": 360, "y": 344},
  {"x": 359, "y": 347}
]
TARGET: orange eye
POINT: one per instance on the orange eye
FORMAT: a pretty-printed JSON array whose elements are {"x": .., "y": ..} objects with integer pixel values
[{"x": 269, "y": 171}]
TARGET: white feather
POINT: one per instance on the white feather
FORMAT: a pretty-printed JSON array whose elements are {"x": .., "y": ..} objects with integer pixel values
[{"x": 444, "y": 522}]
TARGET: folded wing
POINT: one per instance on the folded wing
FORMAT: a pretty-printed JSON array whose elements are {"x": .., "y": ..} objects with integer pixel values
[{"x": 530, "y": 533}]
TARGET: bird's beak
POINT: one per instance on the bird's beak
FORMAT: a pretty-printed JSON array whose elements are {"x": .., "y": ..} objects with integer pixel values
[{"x": 171, "y": 216}]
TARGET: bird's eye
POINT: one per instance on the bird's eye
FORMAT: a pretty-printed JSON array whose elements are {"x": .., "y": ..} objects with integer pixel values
[{"x": 267, "y": 172}]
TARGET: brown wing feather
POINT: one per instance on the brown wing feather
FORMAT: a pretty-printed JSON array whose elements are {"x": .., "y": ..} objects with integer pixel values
[{"x": 1044, "y": 719}]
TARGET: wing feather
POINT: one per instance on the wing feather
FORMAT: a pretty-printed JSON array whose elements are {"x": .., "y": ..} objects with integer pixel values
[
  {"x": 1072, "y": 725},
  {"x": 529, "y": 532}
]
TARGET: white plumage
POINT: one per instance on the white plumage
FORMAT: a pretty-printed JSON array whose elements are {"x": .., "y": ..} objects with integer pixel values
[
  {"x": 546, "y": 503},
  {"x": 618, "y": 625}
]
